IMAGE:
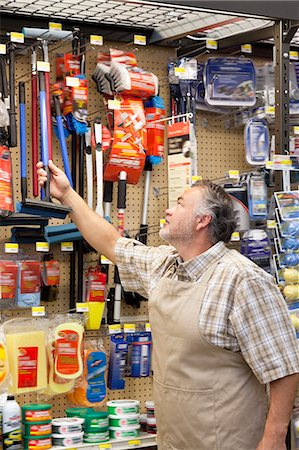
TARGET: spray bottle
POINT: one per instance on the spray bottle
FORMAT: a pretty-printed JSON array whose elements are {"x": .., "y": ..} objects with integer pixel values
[{"x": 11, "y": 417}]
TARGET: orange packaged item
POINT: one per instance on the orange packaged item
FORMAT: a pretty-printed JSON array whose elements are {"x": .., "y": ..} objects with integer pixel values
[
  {"x": 56, "y": 385},
  {"x": 8, "y": 280},
  {"x": 91, "y": 389},
  {"x": 68, "y": 350},
  {"x": 129, "y": 143},
  {"x": 6, "y": 197}
]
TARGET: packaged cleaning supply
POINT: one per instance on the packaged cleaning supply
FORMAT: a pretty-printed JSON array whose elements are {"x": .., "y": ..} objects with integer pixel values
[
  {"x": 90, "y": 389},
  {"x": 68, "y": 440},
  {"x": 257, "y": 197},
  {"x": 124, "y": 433},
  {"x": 123, "y": 420},
  {"x": 257, "y": 141},
  {"x": 78, "y": 412},
  {"x": 39, "y": 429},
  {"x": 6, "y": 183},
  {"x": 154, "y": 111},
  {"x": 95, "y": 297},
  {"x": 37, "y": 442},
  {"x": 121, "y": 407},
  {"x": 94, "y": 438},
  {"x": 4, "y": 370},
  {"x": 68, "y": 338},
  {"x": 96, "y": 421},
  {"x": 8, "y": 283},
  {"x": 36, "y": 413},
  {"x": 139, "y": 354},
  {"x": 3, "y": 398},
  {"x": 117, "y": 361},
  {"x": 29, "y": 283},
  {"x": 230, "y": 82},
  {"x": 67, "y": 425},
  {"x": 27, "y": 359},
  {"x": 11, "y": 424},
  {"x": 56, "y": 385}
]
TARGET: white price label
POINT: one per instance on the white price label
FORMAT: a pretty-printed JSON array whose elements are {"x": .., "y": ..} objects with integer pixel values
[
  {"x": 2, "y": 49},
  {"x": 42, "y": 246},
  {"x": 296, "y": 130},
  {"x": 82, "y": 307},
  {"x": 129, "y": 327},
  {"x": 55, "y": 26},
  {"x": 96, "y": 40},
  {"x": 114, "y": 104},
  {"x": 43, "y": 66},
  {"x": 114, "y": 329},
  {"x": 38, "y": 311},
  {"x": 211, "y": 44},
  {"x": 67, "y": 246},
  {"x": 148, "y": 327},
  {"x": 246, "y": 48},
  {"x": 11, "y": 248},
  {"x": 17, "y": 37},
  {"x": 235, "y": 236},
  {"x": 139, "y": 39},
  {"x": 233, "y": 174},
  {"x": 72, "y": 81}
]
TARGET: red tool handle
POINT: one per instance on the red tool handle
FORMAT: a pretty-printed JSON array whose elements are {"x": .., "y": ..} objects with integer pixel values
[{"x": 34, "y": 122}]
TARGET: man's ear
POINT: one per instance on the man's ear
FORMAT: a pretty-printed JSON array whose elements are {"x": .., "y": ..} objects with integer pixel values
[{"x": 203, "y": 222}]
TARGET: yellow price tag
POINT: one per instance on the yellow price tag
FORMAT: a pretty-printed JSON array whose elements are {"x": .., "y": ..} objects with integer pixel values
[
  {"x": 211, "y": 44},
  {"x": 196, "y": 178},
  {"x": 148, "y": 327},
  {"x": 11, "y": 248},
  {"x": 271, "y": 224},
  {"x": 96, "y": 40},
  {"x": 134, "y": 442},
  {"x": 42, "y": 246},
  {"x": 72, "y": 81},
  {"x": 105, "y": 445},
  {"x": 270, "y": 110},
  {"x": 114, "y": 329},
  {"x": 17, "y": 37},
  {"x": 139, "y": 39},
  {"x": 235, "y": 236},
  {"x": 269, "y": 164},
  {"x": 114, "y": 104},
  {"x": 2, "y": 49},
  {"x": 38, "y": 311},
  {"x": 105, "y": 260},
  {"x": 82, "y": 307},
  {"x": 233, "y": 174},
  {"x": 67, "y": 246},
  {"x": 55, "y": 26},
  {"x": 246, "y": 48},
  {"x": 162, "y": 223},
  {"x": 43, "y": 66},
  {"x": 179, "y": 71},
  {"x": 294, "y": 55},
  {"x": 129, "y": 327},
  {"x": 296, "y": 130}
]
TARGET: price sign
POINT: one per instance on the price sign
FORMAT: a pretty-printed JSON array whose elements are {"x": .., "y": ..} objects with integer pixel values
[
  {"x": 42, "y": 246},
  {"x": 11, "y": 248},
  {"x": 38, "y": 311}
]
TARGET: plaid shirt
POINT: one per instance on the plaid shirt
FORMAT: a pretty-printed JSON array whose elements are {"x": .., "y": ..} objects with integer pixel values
[{"x": 243, "y": 309}]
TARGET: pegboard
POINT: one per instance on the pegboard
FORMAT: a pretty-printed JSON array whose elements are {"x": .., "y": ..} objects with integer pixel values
[{"x": 219, "y": 149}]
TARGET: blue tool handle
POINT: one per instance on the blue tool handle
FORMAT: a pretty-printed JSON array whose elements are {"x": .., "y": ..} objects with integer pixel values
[
  {"x": 62, "y": 142},
  {"x": 44, "y": 132}
]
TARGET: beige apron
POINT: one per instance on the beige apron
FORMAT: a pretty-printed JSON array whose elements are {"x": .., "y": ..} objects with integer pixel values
[{"x": 206, "y": 397}]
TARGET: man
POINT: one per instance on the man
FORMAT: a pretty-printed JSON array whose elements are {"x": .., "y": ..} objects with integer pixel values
[{"x": 221, "y": 329}]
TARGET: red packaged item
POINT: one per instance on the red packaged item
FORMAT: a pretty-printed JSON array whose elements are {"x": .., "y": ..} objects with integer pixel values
[
  {"x": 129, "y": 141},
  {"x": 30, "y": 277},
  {"x": 8, "y": 279},
  {"x": 155, "y": 132},
  {"x": 96, "y": 285},
  {"x": 6, "y": 192},
  {"x": 51, "y": 273}
]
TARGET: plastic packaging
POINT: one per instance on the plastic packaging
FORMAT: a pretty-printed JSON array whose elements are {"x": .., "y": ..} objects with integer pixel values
[
  {"x": 96, "y": 421},
  {"x": 94, "y": 438},
  {"x": 117, "y": 407},
  {"x": 37, "y": 442},
  {"x": 67, "y": 440},
  {"x": 257, "y": 141},
  {"x": 123, "y": 420},
  {"x": 3, "y": 361},
  {"x": 68, "y": 362},
  {"x": 35, "y": 413},
  {"x": 12, "y": 434},
  {"x": 67, "y": 425},
  {"x": 43, "y": 428},
  {"x": 124, "y": 433}
]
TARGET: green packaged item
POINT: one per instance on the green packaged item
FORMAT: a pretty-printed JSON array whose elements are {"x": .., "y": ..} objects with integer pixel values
[
  {"x": 96, "y": 421},
  {"x": 124, "y": 433},
  {"x": 78, "y": 412},
  {"x": 123, "y": 420},
  {"x": 119, "y": 407},
  {"x": 36, "y": 413},
  {"x": 37, "y": 428},
  {"x": 94, "y": 438},
  {"x": 37, "y": 442}
]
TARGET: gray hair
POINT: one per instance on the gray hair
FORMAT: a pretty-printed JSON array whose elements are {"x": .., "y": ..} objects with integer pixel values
[{"x": 217, "y": 204}]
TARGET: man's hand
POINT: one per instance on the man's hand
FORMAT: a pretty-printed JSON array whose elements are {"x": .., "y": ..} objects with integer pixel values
[
  {"x": 59, "y": 184},
  {"x": 271, "y": 443}
]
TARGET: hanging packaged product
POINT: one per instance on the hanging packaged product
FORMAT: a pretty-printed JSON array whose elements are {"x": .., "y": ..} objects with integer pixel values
[
  {"x": 8, "y": 283},
  {"x": 117, "y": 362},
  {"x": 90, "y": 389},
  {"x": 129, "y": 143},
  {"x": 230, "y": 82},
  {"x": 139, "y": 354},
  {"x": 154, "y": 111},
  {"x": 257, "y": 197},
  {"x": 27, "y": 359},
  {"x": 29, "y": 284},
  {"x": 256, "y": 246},
  {"x": 50, "y": 274},
  {"x": 6, "y": 182},
  {"x": 288, "y": 205},
  {"x": 68, "y": 338},
  {"x": 95, "y": 297},
  {"x": 67, "y": 65},
  {"x": 56, "y": 385},
  {"x": 257, "y": 141},
  {"x": 238, "y": 194},
  {"x": 4, "y": 370}
]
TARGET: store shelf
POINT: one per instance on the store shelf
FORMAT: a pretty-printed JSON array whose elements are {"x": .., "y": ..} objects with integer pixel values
[{"x": 144, "y": 440}]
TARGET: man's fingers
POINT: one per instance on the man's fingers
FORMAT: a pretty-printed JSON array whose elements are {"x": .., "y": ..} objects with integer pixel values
[{"x": 54, "y": 169}]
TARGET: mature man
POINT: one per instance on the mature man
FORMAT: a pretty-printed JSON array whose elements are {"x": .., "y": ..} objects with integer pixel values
[{"x": 221, "y": 329}]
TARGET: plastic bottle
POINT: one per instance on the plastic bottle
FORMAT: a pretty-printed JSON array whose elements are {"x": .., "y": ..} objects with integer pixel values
[{"x": 11, "y": 417}]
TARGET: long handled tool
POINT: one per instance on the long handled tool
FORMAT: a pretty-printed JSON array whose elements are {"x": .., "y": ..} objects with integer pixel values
[
  {"x": 99, "y": 165},
  {"x": 12, "y": 102},
  {"x": 46, "y": 207},
  {"x": 34, "y": 121}
]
